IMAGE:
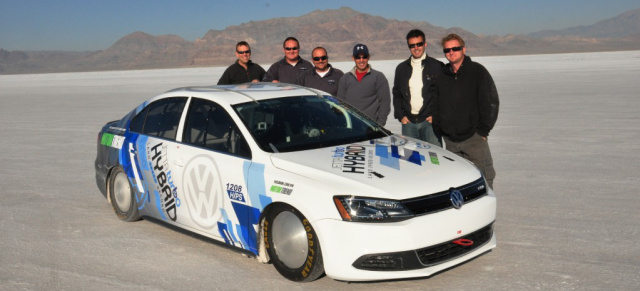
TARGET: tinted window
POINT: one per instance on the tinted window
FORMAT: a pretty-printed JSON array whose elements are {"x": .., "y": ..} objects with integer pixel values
[
  {"x": 162, "y": 118},
  {"x": 138, "y": 121},
  {"x": 209, "y": 126},
  {"x": 305, "y": 122}
]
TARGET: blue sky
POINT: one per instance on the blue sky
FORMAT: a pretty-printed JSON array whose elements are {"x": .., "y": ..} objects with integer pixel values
[{"x": 80, "y": 25}]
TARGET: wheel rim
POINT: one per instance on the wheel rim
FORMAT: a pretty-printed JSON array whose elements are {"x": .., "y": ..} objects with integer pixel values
[
  {"x": 290, "y": 240},
  {"x": 122, "y": 192}
]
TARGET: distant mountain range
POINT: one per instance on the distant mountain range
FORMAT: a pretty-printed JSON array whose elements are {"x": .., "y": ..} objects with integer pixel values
[{"x": 337, "y": 30}]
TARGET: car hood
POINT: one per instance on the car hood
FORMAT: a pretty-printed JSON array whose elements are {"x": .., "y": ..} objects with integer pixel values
[{"x": 393, "y": 167}]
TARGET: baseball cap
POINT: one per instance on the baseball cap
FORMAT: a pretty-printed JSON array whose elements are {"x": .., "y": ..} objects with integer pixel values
[{"x": 360, "y": 49}]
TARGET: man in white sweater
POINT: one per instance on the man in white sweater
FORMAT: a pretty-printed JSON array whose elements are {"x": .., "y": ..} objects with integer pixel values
[{"x": 414, "y": 90}]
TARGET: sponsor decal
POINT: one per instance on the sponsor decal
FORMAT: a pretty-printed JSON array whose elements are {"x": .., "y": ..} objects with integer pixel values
[
  {"x": 167, "y": 192},
  {"x": 434, "y": 158},
  {"x": 354, "y": 159},
  {"x": 235, "y": 192},
  {"x": 338, "y": 154},
  {"x": 202, "y": 191},
  {"x": 281, "y": 187},
  {"x": 111, "y": 140}
]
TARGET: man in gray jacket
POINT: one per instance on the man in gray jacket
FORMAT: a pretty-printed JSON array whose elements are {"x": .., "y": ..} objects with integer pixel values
[
  {"x": 323, "y": 76},
  {"x": 365, "y": 88}
]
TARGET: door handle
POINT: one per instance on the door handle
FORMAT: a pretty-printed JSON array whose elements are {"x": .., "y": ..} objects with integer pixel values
[{"x": 178, "y": 162}]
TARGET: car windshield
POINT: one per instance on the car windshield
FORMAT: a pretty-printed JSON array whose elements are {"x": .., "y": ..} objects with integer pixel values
[{"x": 305, "y": 122}]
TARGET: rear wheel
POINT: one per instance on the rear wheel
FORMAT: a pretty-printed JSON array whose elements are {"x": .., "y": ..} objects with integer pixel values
[
  {"x": 292, "y": 244},
  {"x": 122, "y": 198}
]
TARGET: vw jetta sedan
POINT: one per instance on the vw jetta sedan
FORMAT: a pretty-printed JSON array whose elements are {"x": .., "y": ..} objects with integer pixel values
[{"x": 296, "y": 178}]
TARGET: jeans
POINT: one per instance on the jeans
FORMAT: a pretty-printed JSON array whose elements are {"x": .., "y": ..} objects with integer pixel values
[{"x": 422, "y": 131}]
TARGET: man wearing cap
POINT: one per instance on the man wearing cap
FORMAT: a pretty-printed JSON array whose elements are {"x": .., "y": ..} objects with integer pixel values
[
  {"x": 323, "y": 76},
  {"x": 414, "y": 89},
  {"x": 365, "y": 88},
  {"x": 243, "y": 70},
  {"x": 289, "y": 68}
]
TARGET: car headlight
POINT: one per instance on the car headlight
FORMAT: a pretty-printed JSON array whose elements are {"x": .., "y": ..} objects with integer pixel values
[{"x": 371, "y": 209}]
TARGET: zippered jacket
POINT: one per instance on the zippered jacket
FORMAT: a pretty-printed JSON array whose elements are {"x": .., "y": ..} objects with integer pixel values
[
  {"x": 431, "y": 68},
  {"x": 466, "y": 102},
  {"x": 371, "y": 95}
]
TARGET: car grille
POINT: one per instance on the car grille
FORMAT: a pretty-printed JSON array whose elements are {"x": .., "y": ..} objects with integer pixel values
[
  {"x": 442, "y": 200},
  {"x": 450, "y": 250}
]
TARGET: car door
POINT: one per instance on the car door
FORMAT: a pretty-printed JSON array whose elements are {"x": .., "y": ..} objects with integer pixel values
[
  {"x": 211, "y": 168},
  {"x": 152, "y": 133}
]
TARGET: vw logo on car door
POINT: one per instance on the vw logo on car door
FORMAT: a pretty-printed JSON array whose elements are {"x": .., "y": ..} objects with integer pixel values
[{"x": 203, "y": 192}]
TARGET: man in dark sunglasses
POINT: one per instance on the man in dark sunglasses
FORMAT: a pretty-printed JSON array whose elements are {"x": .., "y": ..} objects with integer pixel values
[
  {"x": 466, "y": 106},
  {"x": 243, "y": 70},
  {"x": 289, "y": 68},
  {"x": 323, "y": 77},
  {"x": 365, "y": 88},
  {"x": 414, "y": 90}
]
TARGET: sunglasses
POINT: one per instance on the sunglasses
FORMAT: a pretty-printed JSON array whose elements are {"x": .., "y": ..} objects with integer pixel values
[
  {"x": 295, "y": 48},
  {"x": 361, "y": 57},
  {"x": 244, "y": 52},
  {"x": 418, "y": 44},
  {"x": 320, "y": 58},
  {"x": 455, "y": 49}
]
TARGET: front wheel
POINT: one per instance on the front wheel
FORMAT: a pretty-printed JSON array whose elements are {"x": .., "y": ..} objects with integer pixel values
[
  {"x": 123, "y": 200},
  {"x": 292, "y": 244}
]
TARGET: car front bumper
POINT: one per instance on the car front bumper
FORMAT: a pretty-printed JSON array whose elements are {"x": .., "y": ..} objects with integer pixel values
[{"x": 416, "y": 247}]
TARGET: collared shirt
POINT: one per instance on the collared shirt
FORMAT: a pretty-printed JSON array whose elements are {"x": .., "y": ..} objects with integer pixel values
[
  {"x": 284, "y": 72},
  {"x": 328, "y": 83}
]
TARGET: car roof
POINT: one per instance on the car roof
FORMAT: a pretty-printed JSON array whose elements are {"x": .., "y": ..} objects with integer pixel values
[{"x": 241, "y": 93}]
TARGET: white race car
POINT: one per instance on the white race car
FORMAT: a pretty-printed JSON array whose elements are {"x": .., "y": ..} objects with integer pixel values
[{"x": 297, "y": 178}]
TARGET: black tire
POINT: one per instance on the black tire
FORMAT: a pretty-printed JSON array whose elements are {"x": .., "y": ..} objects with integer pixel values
[
  {"x": 292, "y": 244},
  {"x": 122, "y": 197}
]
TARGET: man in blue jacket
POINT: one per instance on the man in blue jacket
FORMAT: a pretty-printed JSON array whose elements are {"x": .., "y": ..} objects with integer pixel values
[
  {"x": 466, "y": 106},
  {"x": 414, "y": 89}
]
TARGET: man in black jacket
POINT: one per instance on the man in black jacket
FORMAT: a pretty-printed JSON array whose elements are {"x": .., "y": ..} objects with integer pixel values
[
  {"x": 466, "y": 106},
  {"x": 414, "y": 89},
  {"x": 243, "y": 70}
]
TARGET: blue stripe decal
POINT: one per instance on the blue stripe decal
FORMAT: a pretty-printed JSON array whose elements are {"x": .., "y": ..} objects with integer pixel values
[
  {"x": 254, "y": 179},
  {"x": 394, "y": 152},
  {"x": 248, "y": 217},
  {"x": 413, "y": 157}
]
